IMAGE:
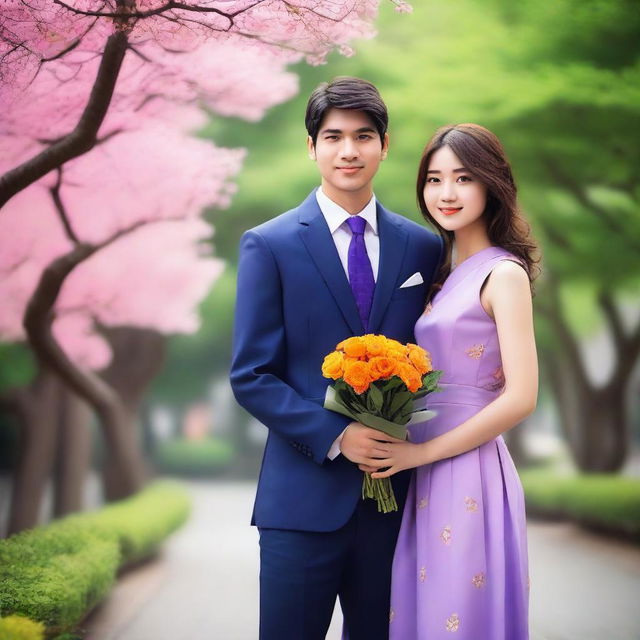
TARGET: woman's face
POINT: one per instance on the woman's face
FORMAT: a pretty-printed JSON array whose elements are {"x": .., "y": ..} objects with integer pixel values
[{"x": 454, "y": 197}]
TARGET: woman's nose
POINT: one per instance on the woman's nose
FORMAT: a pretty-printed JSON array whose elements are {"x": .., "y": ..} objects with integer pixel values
[{"x": 448, "y": 192}]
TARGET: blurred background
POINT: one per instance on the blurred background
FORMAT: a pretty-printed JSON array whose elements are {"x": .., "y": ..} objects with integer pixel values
[{"x": 558, "y": 83}]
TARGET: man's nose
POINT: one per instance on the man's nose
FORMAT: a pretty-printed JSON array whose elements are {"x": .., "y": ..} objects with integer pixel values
[{"x": 349, "y": 149}]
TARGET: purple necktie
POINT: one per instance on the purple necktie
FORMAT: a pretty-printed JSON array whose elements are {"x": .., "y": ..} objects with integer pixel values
[{"x": 360, "y": 271}]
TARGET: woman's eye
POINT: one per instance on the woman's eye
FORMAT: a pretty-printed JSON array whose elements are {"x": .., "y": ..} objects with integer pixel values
[
  {"x": 465, "y": 179},
  {"x": 433, "y": 180}
]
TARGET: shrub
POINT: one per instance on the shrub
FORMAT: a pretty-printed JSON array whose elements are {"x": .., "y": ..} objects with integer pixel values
[
  {"x": 19, "y": 628},
  {"x": 194, "y": 457},
  {"x": 55, "y": 574},
  {"x": 605, "y": 501}
]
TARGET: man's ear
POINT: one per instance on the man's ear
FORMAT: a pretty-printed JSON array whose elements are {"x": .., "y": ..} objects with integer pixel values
[
  {"x": 311, "y": 148},
  {"x": 385, "y": 146}
]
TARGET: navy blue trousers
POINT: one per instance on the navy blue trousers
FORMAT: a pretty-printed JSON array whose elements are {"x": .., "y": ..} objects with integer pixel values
[{"x": 302, "y": 573}]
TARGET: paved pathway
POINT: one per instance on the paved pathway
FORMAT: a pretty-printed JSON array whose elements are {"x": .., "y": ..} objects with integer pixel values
[{"x": 204, "y": 584}]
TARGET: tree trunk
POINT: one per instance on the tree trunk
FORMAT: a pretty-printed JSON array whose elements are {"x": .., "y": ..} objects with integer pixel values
[
  {"x": 138, "y": 355},
  {"x": 37, "y": 410},
  {"x": 594, "y": 420},
  {"x": 74, "y": 454},
  {"x": 123, "y": 454}
]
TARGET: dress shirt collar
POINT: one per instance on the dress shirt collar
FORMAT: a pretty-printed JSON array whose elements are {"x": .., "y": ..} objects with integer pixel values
[{"x": 336, "y": 216}]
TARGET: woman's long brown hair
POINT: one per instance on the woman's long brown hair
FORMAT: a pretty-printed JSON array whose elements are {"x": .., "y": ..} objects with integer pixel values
[{"x": 481, "y": 153}]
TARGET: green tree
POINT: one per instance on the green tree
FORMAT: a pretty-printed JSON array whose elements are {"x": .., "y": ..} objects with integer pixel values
[{"x": 560, "y": 85}]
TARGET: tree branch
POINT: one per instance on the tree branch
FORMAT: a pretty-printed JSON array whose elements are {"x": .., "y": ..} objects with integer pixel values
[
  {"x": 83, "y": 137},
  {"x": 583, "y": 198},
  {"x": 60, "y": 208},
  {"x": 567, "y": 341},
  {"x": 605, "y": 300}
]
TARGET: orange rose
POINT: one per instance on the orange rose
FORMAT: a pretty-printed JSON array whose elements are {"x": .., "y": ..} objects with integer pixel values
[
  {"x": 419, "y": 358},
  {"x": 409, "y": 376},
  {"x": 396, "y": 350},
  {"x": 357, "y": 375},
  {"x": 333, "y": 365},
  {"x": 376, "y": 345},
  {"x": 382, "y": 367},
  {"x": 354, "y": 347}
]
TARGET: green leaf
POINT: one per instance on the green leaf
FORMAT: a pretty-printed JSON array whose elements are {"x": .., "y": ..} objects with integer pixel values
[{"x": 377, "y": 399}]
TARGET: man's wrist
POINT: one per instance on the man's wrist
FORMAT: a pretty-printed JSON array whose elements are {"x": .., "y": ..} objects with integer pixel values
[{"x": 335, "y": 449}]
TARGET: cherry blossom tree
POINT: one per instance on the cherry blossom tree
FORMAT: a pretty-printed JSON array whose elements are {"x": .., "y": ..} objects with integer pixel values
[
  {"x": 104, "y": 244},
  {"x": 158, "y": 49},
  {"x": 102, "y": 181}
]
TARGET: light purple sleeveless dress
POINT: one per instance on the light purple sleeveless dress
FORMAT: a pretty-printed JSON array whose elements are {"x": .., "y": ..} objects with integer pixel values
[{"x": 460, "y": 567}]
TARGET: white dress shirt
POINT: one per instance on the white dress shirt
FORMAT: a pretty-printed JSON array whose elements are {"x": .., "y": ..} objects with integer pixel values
[{"x": 336, "y": 218}]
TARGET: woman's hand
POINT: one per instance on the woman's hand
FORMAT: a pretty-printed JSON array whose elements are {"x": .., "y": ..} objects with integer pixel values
[{"x": 399, "y": 456}]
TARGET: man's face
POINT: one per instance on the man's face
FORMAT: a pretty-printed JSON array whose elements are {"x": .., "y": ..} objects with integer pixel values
[{"x": 348, "y": 151}]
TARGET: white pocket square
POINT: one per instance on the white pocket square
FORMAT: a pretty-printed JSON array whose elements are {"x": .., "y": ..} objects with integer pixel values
[{"x": 415, "y": 279}]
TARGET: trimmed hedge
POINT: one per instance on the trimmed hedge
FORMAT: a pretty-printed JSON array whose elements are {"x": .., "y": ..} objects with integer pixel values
[
  {"x": 19, "y": 628},
  {"x": 193, "y": 457},
  {"x": 606, "y": 502},
  {"x": 57, "y": 573}
]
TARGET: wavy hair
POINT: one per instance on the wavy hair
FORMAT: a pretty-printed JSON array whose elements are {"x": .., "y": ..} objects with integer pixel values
[{"x": 482, "y": 154}]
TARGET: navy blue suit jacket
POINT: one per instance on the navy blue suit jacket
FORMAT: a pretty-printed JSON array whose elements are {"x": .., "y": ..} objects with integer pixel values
[{"x": 294, "y": 304}]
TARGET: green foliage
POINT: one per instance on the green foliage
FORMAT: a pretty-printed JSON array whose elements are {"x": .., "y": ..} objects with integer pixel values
[
  {"x": 609, "y": 502},
  {"x": 140, "y": 523},
  {"x": 20, "y": 628},
  {"x": 194, "y": 457},
  {"x": 17, "y": 366},
  {"x": 55, "y": 574},
  {"x": 566, "y": 106}
]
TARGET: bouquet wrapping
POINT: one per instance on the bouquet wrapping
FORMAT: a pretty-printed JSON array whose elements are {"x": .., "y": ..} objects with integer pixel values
[{"x": 377, "y": 383}]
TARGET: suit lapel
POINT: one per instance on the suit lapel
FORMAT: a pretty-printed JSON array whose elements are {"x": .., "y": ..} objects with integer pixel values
[
  {"x": 393, "y": 240},
  {"x": 316, "y": 236}
]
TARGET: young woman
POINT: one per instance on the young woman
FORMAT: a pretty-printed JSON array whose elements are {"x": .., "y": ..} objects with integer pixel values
[{"x": 460, "y": 565}]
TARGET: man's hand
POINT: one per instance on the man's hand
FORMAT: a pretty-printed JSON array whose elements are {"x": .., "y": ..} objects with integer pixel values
[{"x": 365, "y": 446}]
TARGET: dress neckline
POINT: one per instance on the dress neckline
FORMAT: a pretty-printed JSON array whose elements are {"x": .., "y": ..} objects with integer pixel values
[
  {"x": 468, "y": 265},
  {"x": 473, "y": 255}
]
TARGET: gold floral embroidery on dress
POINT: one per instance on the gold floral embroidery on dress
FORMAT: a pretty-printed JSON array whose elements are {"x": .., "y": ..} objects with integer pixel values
[
  {"x": 498, "y": 383},
  {"x": 453, "y": 622},
  {"x": 446, "y": 535},
  {"x": 392, "y": 615},
  {"x": 423, "y": 503},
  {"x": 427, "y": 309},
  {"x": 478, "y": 580},
  {"x": 475, "y": 352},
  {"x": 422, "y": 576},
  {"x": 472, "y": 505}
]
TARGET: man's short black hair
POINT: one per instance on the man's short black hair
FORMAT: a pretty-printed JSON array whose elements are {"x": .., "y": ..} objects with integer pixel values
[{"x": 345, "y": 92}]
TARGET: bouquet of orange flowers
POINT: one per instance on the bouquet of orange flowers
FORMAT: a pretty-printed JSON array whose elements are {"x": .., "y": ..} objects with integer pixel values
[{"x": 377, "y": 383}]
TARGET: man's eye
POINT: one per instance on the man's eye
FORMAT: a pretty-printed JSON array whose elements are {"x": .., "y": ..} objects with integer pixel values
[{"x": 365, "y": 136}]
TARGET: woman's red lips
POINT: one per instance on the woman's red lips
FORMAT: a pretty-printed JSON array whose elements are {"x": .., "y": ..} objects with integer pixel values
[{"x": 449, "y": 210}]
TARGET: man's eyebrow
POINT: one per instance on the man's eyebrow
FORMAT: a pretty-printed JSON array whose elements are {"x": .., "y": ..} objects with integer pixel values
[
  {"x": 360, "y": 130},
  {"x": 459, "y": 170}
]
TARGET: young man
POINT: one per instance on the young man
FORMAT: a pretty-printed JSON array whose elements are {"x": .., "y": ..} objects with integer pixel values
[{"x": 337, "y": 265}]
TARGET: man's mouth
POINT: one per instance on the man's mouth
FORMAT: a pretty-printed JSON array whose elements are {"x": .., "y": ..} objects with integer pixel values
[
  {"x": 349, "y": 170},
  {"x": 448, "y": 211}
]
